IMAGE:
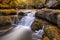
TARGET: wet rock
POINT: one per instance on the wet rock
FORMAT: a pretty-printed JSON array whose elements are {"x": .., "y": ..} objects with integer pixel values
[
  {"x": 52, "y": 32},
  {"x": 50, "y": 16},
  {"x": 38, "y": 24},
  {"x": 21, "y": 13},
  {"x": 53, "y": 4},
  {"x": 58, "y": 20},
  {"x": 2, "y": 13}
]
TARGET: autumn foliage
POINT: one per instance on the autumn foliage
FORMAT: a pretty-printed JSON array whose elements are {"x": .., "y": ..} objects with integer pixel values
[{"x": 20, "y": 3}]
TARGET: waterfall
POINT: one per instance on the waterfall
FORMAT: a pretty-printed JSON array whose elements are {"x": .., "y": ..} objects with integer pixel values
[
  {"x": 12, "y": 21},
  {"x": 38, "y": 34},
  {"x": 28, "y": 19},
  {"x": 23, "y": 30}
]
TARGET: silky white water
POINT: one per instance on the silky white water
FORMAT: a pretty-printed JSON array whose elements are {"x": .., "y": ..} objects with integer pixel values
[
  {"x": 38, "y": 35},
  {"x": 23, "y": 30},
  {"x": 12, "y": 21}
]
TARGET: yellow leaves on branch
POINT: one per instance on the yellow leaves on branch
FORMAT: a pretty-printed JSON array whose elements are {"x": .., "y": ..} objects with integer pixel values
[
  {"x": 16, "y": 3},
  {"x": 10, "y": 2}
]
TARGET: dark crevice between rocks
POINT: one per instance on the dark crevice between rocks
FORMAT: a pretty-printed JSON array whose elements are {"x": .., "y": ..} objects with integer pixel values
[
  {"x": 15, "y": 13},
  {"x": 5, "y": 24},
  {"x": 11, "y": 13},
  {"x": 8, "y": 7},
  {"x": 3, "y": 13}
]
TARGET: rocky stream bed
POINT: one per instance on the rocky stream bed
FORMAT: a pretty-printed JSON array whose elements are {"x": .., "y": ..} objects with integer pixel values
[{"x": 48, "y": 17}]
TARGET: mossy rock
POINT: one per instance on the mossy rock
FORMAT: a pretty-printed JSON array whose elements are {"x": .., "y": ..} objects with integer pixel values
[
  {"x": 52, "y": 32},
  {"x": 48, "y": 33}
]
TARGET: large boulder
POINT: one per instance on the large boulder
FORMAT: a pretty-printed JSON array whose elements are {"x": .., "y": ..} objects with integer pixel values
[
  {"x": 49, "y": 15},
  {"x": 53, "y": 4}
]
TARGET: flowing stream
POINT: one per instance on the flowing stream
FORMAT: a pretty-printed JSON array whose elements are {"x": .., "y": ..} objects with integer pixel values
[{"x": 23, "y": 30}]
